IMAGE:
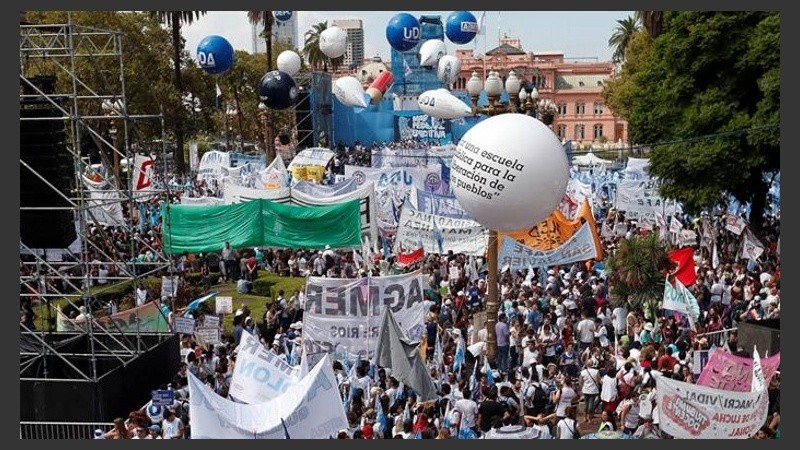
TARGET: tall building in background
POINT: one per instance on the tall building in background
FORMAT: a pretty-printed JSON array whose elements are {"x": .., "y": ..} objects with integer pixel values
[
  {"x": 354, "y": 57},
  {"x": 285, "y": 32}
]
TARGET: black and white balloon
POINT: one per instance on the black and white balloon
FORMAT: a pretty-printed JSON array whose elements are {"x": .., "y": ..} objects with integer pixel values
[{"x": 277, "y": 90}]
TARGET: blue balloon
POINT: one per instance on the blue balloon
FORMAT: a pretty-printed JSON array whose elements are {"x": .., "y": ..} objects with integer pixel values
[
  {"x": 282, "y": 16},
  {"x": 403, "y": 32},
  {"x": 461, "y": 27},
  {"x": 215, "y": 54},
  {"x": 277, "y": 90}
]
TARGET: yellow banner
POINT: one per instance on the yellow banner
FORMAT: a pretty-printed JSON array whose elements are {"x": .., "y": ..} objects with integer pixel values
[{"x": 553, "y": 231}]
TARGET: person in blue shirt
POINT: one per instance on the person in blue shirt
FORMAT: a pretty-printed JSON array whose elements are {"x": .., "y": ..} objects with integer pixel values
[{"x": 534, "y": 317}]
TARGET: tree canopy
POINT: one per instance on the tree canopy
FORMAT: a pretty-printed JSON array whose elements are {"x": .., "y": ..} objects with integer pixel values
[
  {"x": 704, "y": 95},
  {"x": 149, "y": 82}
]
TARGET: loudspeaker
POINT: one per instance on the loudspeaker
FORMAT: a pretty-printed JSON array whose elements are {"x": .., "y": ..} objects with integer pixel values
[
  {"x": 303, "y": 119},
  {"x": 43, "y": 149}
]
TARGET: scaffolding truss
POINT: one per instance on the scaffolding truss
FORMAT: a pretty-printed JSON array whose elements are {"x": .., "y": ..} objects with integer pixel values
[{"x": 58, "y": 276}]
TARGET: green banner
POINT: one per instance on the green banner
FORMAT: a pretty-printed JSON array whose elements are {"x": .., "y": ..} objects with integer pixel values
[
  {"x": 144, "y": 319},
  {"x": 261, "y": 223}
]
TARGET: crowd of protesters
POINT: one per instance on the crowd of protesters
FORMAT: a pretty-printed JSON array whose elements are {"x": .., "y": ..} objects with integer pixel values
[{"x": 571, "y": 358}]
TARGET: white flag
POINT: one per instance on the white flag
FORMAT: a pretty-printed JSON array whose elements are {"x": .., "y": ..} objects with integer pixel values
[
  {"x": 675, "y": 225},
  {"x": 759, "y": 382},
  {"x": 407, "y": 68},
  {"x": 482, "y": 24},
  {"x": 752, "y": 248},
  {"x": 714, "y": 257}
]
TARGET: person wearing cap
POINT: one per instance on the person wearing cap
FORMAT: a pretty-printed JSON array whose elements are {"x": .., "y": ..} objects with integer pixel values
[{"x": 645, "y": 336}]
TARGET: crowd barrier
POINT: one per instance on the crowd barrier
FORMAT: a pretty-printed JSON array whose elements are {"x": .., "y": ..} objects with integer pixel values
[{"x": 61, "y": 430}]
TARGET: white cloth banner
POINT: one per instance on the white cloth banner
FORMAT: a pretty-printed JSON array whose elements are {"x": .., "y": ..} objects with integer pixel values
[
  {"x": 579, "y": 247},
  {"x": 311, "y": 409},
  {"x": 440, "y": 205},
  {"x": 275, "y": 176},
  {"x": 637, "y": 168},
  {"x": 365, "y": 193},
  {"x": 244, "y": 175},
  {"x": 734, "y": 224},
  {"x": 211, "y": 165},
  {"x": 689, "y": 411},
  {"x": 233, "y": 193},
  {"x": 321, "y": 190},
  {"x": 201, "y": 201},
  {"x": 105, "y": 203},
  {"x": 411, "y": 157},
  {"x": 438, "y": 234},
  {"x": 343, "y": 315},
  {"x": 316, "y": 156},
  {"x": 260, "y": 375},
  {"x": 393, "y": 186},
  {"x": 258, "y": 162},
  {"x": 638, "y": 197}
]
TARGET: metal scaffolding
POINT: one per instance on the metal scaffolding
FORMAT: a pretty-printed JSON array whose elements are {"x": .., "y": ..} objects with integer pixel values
[{"x": 92, "y": 113}]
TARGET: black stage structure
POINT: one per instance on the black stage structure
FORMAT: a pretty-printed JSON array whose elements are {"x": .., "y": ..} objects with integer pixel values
[{"x": 98, "y": 371}]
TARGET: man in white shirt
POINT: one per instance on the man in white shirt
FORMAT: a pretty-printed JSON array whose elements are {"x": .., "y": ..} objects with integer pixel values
[
  {"x": 716, "y": 290},
  {"x": 141, "y": 295},
  {"x": 172, "y": 426},
  {"x": 586, "y": 329},
  {"x": 483, "y": 333},
  {"x": 468, "y": 410}
]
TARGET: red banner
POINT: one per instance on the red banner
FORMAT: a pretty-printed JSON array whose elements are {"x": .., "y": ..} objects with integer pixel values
[
  {"x": 406, "y": 259},
  {"x": 685, "y": 272}
]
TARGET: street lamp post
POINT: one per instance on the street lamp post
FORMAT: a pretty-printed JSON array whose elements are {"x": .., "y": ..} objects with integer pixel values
[
  {"x": 519, "y": 102},
  {"x": 269, "y": 141},
  {"x": 230, "y": 112}
]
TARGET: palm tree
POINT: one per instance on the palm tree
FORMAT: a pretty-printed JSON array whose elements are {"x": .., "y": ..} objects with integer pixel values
[
  {"x": 311, "y": 51},
  {"x": 266, "y": 18},
  {"x": 638, "y": 270},
  {"x": 623, "y": 33},
  {"x": 652, "y": 21},
  {"x": 174, "y": 20}
]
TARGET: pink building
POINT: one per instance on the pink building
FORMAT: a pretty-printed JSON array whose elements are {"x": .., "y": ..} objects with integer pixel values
[{"x": 575, "y": 87}]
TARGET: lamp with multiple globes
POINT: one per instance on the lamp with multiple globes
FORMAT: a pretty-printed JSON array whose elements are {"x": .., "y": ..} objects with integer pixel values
[{"x": 520, "y": 101}]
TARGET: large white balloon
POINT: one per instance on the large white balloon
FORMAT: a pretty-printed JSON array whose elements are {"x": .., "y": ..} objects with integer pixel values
[
  {"x": 509, "y": 172},
  {"x": 289, "y": 62},
  {"x": 449, "y": 67},
  {"x": 349, "y": 91},
  {"x": 441, "y": 104},
  {"x": 431, "y": 51},
  {"x": 333, "y": 42}
]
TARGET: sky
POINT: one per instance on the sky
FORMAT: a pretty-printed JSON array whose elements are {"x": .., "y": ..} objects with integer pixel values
[{"x": 579, "y": 34}]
